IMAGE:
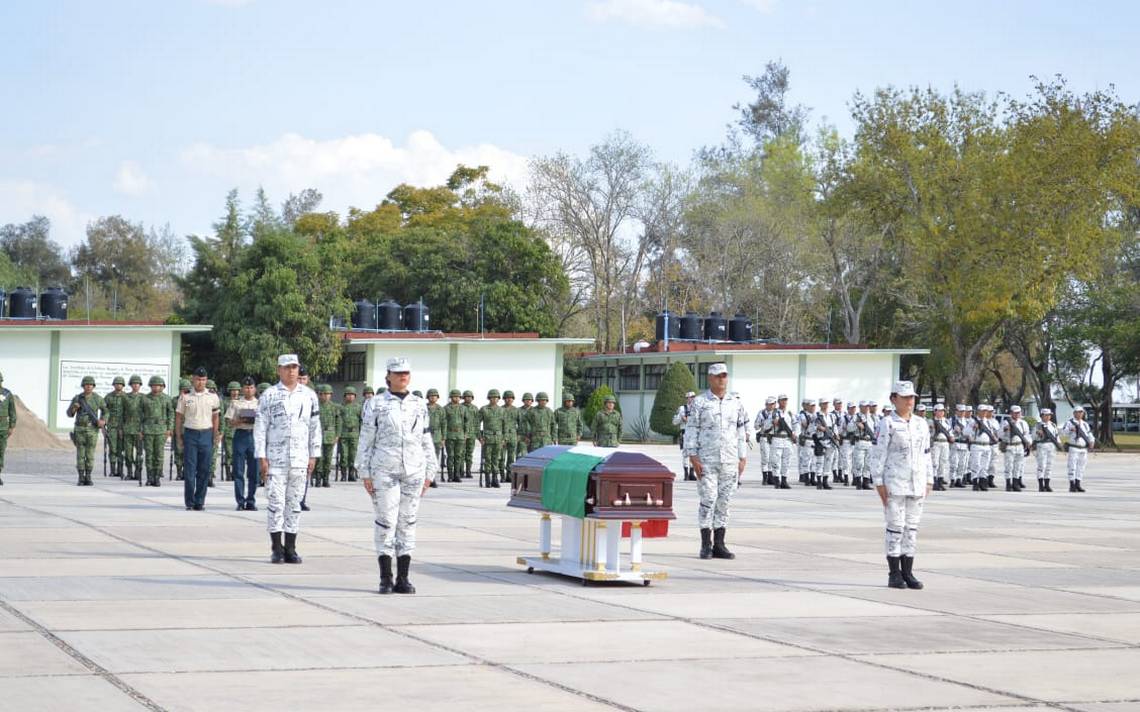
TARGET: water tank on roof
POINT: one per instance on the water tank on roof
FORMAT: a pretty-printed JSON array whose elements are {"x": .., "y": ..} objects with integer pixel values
[
  {"x": 691, "y": 326},
  {"x": 364, "y": 315},
  {"x": 416, "y": 317},
  {"x": 22, "y": 304},
  {"x": 389, "y": 315},
  {"x": 53, "y": 303},
  {"x": 740, "y": 329},
  {"x": 668, "y": 323},
  {"x": 716, "y": 327}
]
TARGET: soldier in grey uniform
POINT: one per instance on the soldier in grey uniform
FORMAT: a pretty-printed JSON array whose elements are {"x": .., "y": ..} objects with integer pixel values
[
  {"x": 806, "y": 423},
  {"x": 783, "y": 430},
  {"x": 1046, "y": 443},
  {"x": 941, "y": 440},
  {"x": 1016, "y": 442},
  {"x": 847, "y": 442},
  {"x": 286, "y": 443},
  {"x": 826, "y": 449},
  {"x": 716, "y": 441},
  {"x": 960, "y": 450},
  {"x": 764, "y": 437},
  {"x": 397, "y": 464},
  {"x": 681, "y": 419},
  {"x": 1079, "y": 440},
  {"x": 864, "y": 435},
  {"x": 903, "y": 477},
  {"x": 981, "y": 448}
]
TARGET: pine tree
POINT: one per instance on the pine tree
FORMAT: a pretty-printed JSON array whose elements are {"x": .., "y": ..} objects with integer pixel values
[{"x": 670, "y": 396}]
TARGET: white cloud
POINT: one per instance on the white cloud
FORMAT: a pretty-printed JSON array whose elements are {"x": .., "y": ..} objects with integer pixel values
[
  {"x": 353, "y": 171},
  {"x": 132, "y": 180},
  {"x": 21, "y": 199},
  {"x": 653, "y": 13}
]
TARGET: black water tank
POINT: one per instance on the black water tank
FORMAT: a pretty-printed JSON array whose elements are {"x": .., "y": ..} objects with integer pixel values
[
  {"x": 364, "y": 315},
  {"x": 53, "y": 303},
  {"x": 691, "y": 325},
  {"x": 740, "y": 329},
  {"x": 674, "y": 325},
  {"x": 389, "y": 316},
  {"x": 716, "y": 327},
  {"x": 22, "y": 304},
  {"x": 416, "y": 317}
]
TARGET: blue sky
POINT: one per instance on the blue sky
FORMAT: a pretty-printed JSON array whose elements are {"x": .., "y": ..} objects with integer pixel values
[{"x": 153, "y": 110}]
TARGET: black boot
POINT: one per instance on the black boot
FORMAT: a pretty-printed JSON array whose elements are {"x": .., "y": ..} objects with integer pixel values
[
  {"x": 81, "y": 481},
  {"x": 823, "y": 483},
  {"x": 1071, "y": 483},
  {"x": 977, "y": 486},
  {"x": 278, "y": 548},
  {"x": 895, "y": 580},
  {"x": 990, "y": 481},
  {"x": 87, "y": 479},
  {"x": 495, "y": 481},
  {"x": 706, "y": 544},
  {"x": 803, "y": 478},
  {"x": 1040, "y": 484},
  {"x": 385, "y": 573},
  {"x": 938, "y": 487},
  {"x": 1017, "y": 485},
  {"x": 403, "y": 585},
  {"x": 1047, "y": 487},
  {"x": 766, "y": 479},
  {"x": 1008, "y": 485},
  {"x": 291, "y": 556},
  {"x": 1077, "y": 486},
  {"x": 908, "y": 575},
  {"x": 784, "y": 482},
  {"x": 719, "y": 550},
  {"x": 811, "y": 479},
  {"x": 467, "y": 468}
]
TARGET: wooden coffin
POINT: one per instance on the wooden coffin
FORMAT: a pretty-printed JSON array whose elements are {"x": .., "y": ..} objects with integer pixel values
[{"x": 627, "y": 485}]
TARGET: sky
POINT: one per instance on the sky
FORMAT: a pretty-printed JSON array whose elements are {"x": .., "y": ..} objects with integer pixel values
[{"x": 154, "y": 110}]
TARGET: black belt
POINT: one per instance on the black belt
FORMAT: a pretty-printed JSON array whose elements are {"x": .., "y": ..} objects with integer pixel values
[
  {"x": 1079, "y": 447},
  {"x": 777, "y": 435}
]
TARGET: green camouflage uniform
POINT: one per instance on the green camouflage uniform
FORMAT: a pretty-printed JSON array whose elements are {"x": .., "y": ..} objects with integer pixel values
[
  {"x": 116, "y": 405},
  {"x": 511, "y": 422},
  {"x": 438, "y": 427},
  {"x": 156, "y": 413},
  {"x": 524, "y": 428},
  {"x": 85, "y": 434},
  {"x": 567, "y": 425},
  {"x": 492, "y": 423},
  {"x": 132, "y": 432},
  {"x": 228, "y": 431},
  {"x": 607, "y": 428},
  {"x": 455, "y": 430},
  {"x": 540, "y": 426},
  {"x": 350, "y": 414},
  {"x": 175, "y": 446},
  {"x": 330, "y": 432},
  {"x": 471, "y": 434},
  {"x": 7, "y": 419}
]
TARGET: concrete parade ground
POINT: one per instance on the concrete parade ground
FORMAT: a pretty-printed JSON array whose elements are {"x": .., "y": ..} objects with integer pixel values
[{"x": 114, "y": 597}]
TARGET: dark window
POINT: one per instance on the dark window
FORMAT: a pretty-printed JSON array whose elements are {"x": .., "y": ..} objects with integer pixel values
[
  {"x": 653, "y": 375},
  {"x": 630, "y": 378},
  {"x": 351, "y": 368},
  {"x": 595, "y": 377},
  {"x": 702, "y": 376},
  {"x": 611, "y": 377}
]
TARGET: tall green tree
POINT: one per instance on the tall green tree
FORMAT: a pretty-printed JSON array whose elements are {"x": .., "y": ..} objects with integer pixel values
[
  {"x": 31, "y": 250},
  {"x": 676, "y": 382}
]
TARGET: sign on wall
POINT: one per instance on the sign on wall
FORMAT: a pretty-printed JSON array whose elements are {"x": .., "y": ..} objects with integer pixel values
[{"x": 71, "y": 375}]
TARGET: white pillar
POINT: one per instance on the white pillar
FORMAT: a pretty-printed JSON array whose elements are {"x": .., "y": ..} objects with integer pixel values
[
  {"x": 635, "y": 546},
  {"x": 613, "y": 550},
  {"x": 600, "y": 546},
  {"x": 544, "y": 535}
]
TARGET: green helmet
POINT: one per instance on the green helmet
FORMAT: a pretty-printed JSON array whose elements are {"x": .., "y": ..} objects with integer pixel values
[
  {"x": 609, "y": 399},
  {"x": 324, "y": 388},
  {"x": 350, "y": 390},
  {"x": 454, "y": 393},
  {"x": 183, "y": 384},
  {"x": 156, "y": 381},
  {"x": 383, "y": 389},
  {"x": 210, "y": 385},
  {"x": 135, "y": 378},
  {"x": 418, "y": 394},
  {"x": 468, "y": 394},
  {"x": 87, "y": 381},
  {"x": 508, "y": 394},
  {"x": 542, "y": 396},
  {"x": 262, "y": 387},
  {"x": 369, "y": 390},
  {"x": 233, "y": 386},
  {"x": 433, "y": 392},
  {"x": 493, "y": 393},
  {"x": 118, "y": 381},
  {"x": 527, "y": 396},
  {"x": 567, "y": 397}
]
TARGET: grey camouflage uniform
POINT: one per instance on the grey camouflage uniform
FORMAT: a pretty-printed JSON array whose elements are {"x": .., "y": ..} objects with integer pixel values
[
  {"x": 900, "y": 461},
  {"x": 717, "y": 433},
  {"x": 287, "y": 432}
]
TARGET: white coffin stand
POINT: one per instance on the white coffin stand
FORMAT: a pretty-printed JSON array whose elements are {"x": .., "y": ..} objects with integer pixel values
[{"x": 591, "y": 551}]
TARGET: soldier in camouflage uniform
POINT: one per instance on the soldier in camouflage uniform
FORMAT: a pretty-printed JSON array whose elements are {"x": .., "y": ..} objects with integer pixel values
[
  {"x": 115, "y": 403},
  {"x": 540, "y": 424},
  {"x": 156, "y": 416},
  {"x": 492, "y": 428},
  {"x": 397, "y": 463},
  {"x": 349, "y": 434},
  {"x": 716, "y": 441},
  {"x": 176, "y": 441},
  {"x": 233, "y": 393},
  {"x": 436, "y": 417},
  {"x": 524, "y": 425},
  {"x": 132, "y": 428},
  {"x": 607, "y": 424},
  {"x": 512, "y": 415},
  {"x": 455, "y": 430},
  {"x": 567, "y": 422},
  {"x": 471, "y": 434},
  {"x": 262, "y": 388},
  {"x": 286, "y": 443},
  {"x": 330, "y": 430},
  {"x": 90, "y": 414},
  {"x": 7, "y": 420}
]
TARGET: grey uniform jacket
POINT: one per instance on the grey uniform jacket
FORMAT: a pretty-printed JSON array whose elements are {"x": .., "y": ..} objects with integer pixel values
[
  {"x": 287, "y": 429},
  {"x": 395, "y": 438},
  {"x": 900, "y": 459},
  {"x": 717, "y": 431}
]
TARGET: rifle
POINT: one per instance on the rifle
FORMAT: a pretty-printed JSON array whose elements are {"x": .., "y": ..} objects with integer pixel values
[
  {"x": 140, "y": 452},
  {"x": 1080, "y": 432},
  {"x": 1020, "y": 436},
  {"x": 94, "y": 417},
  {"x": 820, "y": 426},
  {"x": 939, "y": 428},
  {"x": 1050, "y": 436},
  {"x": 226, "y": 474}
]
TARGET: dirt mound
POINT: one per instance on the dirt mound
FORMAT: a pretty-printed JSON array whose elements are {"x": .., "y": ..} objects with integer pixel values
[{"x": 31, "y": 433}]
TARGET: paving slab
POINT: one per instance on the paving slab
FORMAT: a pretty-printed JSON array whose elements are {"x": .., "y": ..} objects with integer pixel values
[
  {"x": 64, "y": 694},
  {"x": 538, "y": 607},
  {"x": 1122, "y": 627},
  {"x": 27, "y": 653},
  {"x": 178, "y": 614}
]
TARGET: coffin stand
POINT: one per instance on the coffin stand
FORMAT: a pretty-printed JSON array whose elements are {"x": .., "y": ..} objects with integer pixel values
[{"x": 625, "y": 487}]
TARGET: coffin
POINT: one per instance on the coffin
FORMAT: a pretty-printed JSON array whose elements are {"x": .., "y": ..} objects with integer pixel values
[{"x": 624, "y": 486}]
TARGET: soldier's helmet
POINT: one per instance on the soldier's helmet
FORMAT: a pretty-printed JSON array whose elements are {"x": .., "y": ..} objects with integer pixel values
[
  {"x": 508, "y": 394},
  {"x": 527, "y": 396},
  {"x": 468, "y": 394},
  {"x": 369, "y": 389},
  {"x": 156, "y": 381},
  {"x": 609, "y": 399},
  {"x": 87, "y": 381},
  {"x": 454, "y": 393},
  {"x": 233, "y": 386},
  {"x": 262, "y": 387},
  {"x": 350, "y": 390},
  {"x": 184, "y": 384},
  {"x": 324, "y": 388},
  {"x": 433, "y": 392},
  {"x": 493, "y": 393},
  {"x": 567, "y": 397},
  {"x": 135, "y": 378},
  {"x": 118, "y": 381},
  {"x": 418, "y": 394},
  {"x": 210, "y": 385},
  {"x": 542, "y": 396}
]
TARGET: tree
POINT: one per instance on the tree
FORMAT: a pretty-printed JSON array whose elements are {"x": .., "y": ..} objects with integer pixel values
[
  {"x": 676, "y": 382},
  {"x": 31, "y": 250},
  {"x": 307, "y": 201},
  {"x": 597, "y": 402},
  {"x": 125, "y": 268},
  {"x": 769, "y": 115}
]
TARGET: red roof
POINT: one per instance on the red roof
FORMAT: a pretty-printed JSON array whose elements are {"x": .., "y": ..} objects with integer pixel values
[
  {"x": 433, "y": 335},
  {"x": 696, "y": 346},
  {"x": 52, "y": 323}
]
